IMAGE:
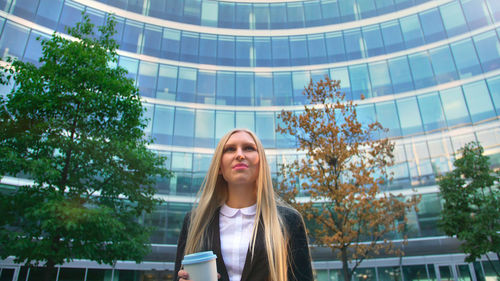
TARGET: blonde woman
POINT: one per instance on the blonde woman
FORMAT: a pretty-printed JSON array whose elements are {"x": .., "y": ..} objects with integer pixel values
[{"x": 239, "y": 218}]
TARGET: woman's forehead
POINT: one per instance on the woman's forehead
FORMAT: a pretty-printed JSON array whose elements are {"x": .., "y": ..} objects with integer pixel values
[{"x": 240, "y": 136}]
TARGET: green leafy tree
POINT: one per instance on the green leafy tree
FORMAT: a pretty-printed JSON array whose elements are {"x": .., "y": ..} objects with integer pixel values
[
  {"x": 74, "y": 127},
  {"x": 471, "y": 210}
]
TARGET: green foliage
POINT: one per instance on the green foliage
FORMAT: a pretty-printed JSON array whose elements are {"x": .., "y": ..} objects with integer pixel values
[
  {"x": 74, "y": 126},
  {"x": 471, "y": 203}
]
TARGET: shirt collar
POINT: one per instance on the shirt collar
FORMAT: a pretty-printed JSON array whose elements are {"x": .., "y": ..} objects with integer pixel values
[{"x": 231, "y": 212}]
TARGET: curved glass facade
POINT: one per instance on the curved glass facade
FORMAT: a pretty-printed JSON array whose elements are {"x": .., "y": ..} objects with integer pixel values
[{"x": 430, "y": 72}]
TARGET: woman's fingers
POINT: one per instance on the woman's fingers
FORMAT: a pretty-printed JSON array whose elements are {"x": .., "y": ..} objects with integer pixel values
[{"x": 183, "y": 275}]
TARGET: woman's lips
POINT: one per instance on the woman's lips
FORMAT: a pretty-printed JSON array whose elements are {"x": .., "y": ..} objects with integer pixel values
[{"x": 240, "y": 166}]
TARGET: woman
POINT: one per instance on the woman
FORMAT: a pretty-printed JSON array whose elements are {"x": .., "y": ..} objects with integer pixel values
[{"x": 238, "y": 217}]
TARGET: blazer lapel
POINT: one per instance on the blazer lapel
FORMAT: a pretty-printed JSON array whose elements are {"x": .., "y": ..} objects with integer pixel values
[
  {"x": 260, "y": 254},
  {"x": 214, "y": 233}
]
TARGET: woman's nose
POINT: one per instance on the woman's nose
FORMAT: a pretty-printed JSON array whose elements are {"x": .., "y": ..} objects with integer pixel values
[{"x": 239, "y": 154}]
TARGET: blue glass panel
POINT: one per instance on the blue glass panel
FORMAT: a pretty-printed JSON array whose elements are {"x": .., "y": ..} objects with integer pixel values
[
  {"x": 488, "y": 49},
  {"x": 132, "y": 34},
  {"x": 48, "y": 13},
  {"x": 186, "y": 86},
  {"x": 443, "y": 64},
  {"x": 70, "y": 15},
  {"x": 205, "y": 128},
  {"x": 300, "y": 80},
  {"x": 264, "y": 128},
  {"x": 476, "y": 13},
  {"x": 171, "y": 43},
  {"x": 283, "y": 140},
  {"x": 354, "y": 44},
  {"x": 183, "y": 127},
  {"x": 167, "y": 82},
  {"x": 335, "y": 46},
  {"x": 317, "y": 49},
  {"x": 312, "y": 13},
  {"x": 245, "y": 120},
  {"x": 465, "y": 58},
  {"x": 5, "y": 5},
  {"x": 278, "y": 16},
  {"x": 261, "y": 13},
  {"x": 360, "y": 81},
  {"x": 432, "y": 25},
  {"x": 367, "y": 8},
  {"x": 410, "y": 27},
  {"x": 147, "y": 78},
  {"x": 226, "y": 14},
  {"x": 245, "y": 86},
  {"x": 317, "y": 75},
  {"x": 409, "y": 116},
  {"x": 298, "y": 50},
  {"x": 381, "y": 81},
  {"x": 347, "y": 11},
  {"x": 384, "y": 6},
  {"x": 152, "y": 40},
  {"x": 373, "y": 40},
  {"x": 120, "y": 25},
  {"x": 158, "y": 9},
  {"x": 421, "y": 70},
  {"x": 225, "y": 50},
  {"x": 225, "y": 87},
  {"x": 189, "y": 46},
  {"x": 391, "y": 33},
  {"x": 149, "y": 110},
  {"x": 244, "y": 55},
  {"x": 208, "y": 49},
  {"x": 331, "y": 12},
  {"x": 388, "y": 117},
  {"x": 262, "y": 47},
  {"x": 295, "y": 14},
  {"x": 342, "y": 74},
  {"x": 174, "y": 9},
  {"x": 263, "y": 89},
  {"x": 192, "y": 11},
  {"x": 162, "y": 131},
  {"x": 454, "y": 107},
  {"x": 243, "y": 13},
  {"x": 281, "y": 56},
  {"x": 494, "y": 87},
  {"x": 453, "y": 19},
  {"x": 494, "y": 6},
  {"x": 478, "y": 101},
  {"x": 282, "y": 83},
  {"x": 431, "y": 112},
  {"x": 224, "y": 122},
  {"x": 209, "y": 13},
  {"x": 96, "y": 18},
  {"x": 205, "y": 87},
  {"x": 131, "y": 65},
  {"x": 25, "y": 9},
  {"x": 33, "y": 48},
  {"x": 366, "y": 114}
]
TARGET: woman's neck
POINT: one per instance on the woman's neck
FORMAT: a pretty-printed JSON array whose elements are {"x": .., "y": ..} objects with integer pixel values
[{"x": 241, "y": 197}]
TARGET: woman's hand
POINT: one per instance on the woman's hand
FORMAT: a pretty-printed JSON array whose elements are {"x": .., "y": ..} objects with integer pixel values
[{"x": 184, "y": 276}]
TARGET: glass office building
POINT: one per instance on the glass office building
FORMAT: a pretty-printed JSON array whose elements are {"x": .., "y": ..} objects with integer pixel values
[{"x": 429, "y": 69}]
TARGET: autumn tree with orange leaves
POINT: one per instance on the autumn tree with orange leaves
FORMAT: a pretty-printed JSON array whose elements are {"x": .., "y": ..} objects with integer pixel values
[{"x": 344, "y": 165}]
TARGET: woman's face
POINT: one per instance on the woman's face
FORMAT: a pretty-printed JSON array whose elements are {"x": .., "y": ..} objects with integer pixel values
[{"x": 240, "y": 160}]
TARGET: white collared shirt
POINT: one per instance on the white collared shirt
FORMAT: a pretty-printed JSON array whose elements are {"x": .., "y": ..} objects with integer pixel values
[{"x": 236, "y": 227}]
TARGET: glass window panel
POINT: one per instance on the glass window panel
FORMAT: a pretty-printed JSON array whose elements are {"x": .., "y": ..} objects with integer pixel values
[
  {"x": 333, "y": 14},
  {"x": 354, "y": 44},
  {"x": 186, "y": 86},
  {"x": 364, "y": 274},
  {"x": 443, "y": 64},
  {"x": 24, "y": 8},
  {"x": 209, "y": 13},
  {"x": 245, "y": 120},
  {"x": 225, "y": 50},
  {"x": 148, "y": 116},
  {"x": 381, "y": 81},
  {"x": 415, "y": 272},
  {"x": 167, "y": 82},
  {"x": 34, "y": 48},
  {"x": 478, "y": 101},
  {"x": 205, "y": 128},
  {"x": 152, "y": 40},
  {"x": 295, "y": 14},
  {"x": 208, "y": 49},
  {"x": 264, "y": 128},
  {"x": 366, "y": 8},
  {"x": 389, "y": 273},
  {"x": 388, "y": 117},
  {"x": 384, "y": 6},
  {"x": 243, "y": 15},
  {"x": 13, "y": 41},
  {"x": 131, "y": 65},
  {"x": 192, "y": 11},
  {"x": 494, "y": 9},
  {"x": 278, "y": 15},
  {"x": 282, "y": 88},
  {"x": 244, "y": 55},
  {"x": 281, "y": 53},
  {"x": 283, "y": 140},
  {"x": 347, "y": 10},
  {"x": 432, "y": 25},
  {"x": 132, "y": 36},
  {"x": 431, "y": 112},
  {"x": 263, "y": 89},
  {"x": 366, "y": 114},
  {"x": 335, "y": 46},
  {"x": 225, "y": 87},
  {"x": 96, "y": 17},
  {"x": 494, "y": 87},
  {"x": 226, "y": 14},
  {"x": 465, "y": 58},
  {"x": 342, "y": 74},
  {"x": 70, "y": 15},
  {"x": 489, "y": 271},
  {"x": 183, "y": 127},
  {"x": 454, "y": 107},
  {"x": 224, "y": 122},
  {"x": 201, "y": 162},
  {"x": 298, "y": 50},
  {"x": 189, "y": 46},
  {"x": 400, "y": 75},
  {"x": 317, "y": 75},
  {"x": 317, "y": 49},
  {"x": 182, "y": 161},
  {"x": 48, "y": 13},
  {"x": 453, "y": 19},
  {"x": 476, "y": 13},
  {"x": 71, "y": 274},
  {"x": 360, "y": 81},
  {"x": 245, "y": 86},
  {"x": 205, "y": 87},
  {"x": 163, "y": 124},
  {"x": 147, "y": 78},
  {"x": 312, "y": 13},
  {"x": 421, "y": 70},
  {"x": 262, "y": 47},
  {"x": 261, "y": 13},
  {"x": 410, "y": 27},
  {"x": 373, "y": 40},
  {"x": 409, "y": 115},
  {"x": 171, "y": 43},
  {"x": 488, "y": 49},
  {"x": 300, "y": 80}
]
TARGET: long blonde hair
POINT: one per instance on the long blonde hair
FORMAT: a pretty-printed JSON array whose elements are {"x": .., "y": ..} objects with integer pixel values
[{"x": 213, "y": 194}]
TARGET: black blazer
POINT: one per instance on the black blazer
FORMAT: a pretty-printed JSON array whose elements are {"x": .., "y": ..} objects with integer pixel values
[{"x": 256, "y": 269}]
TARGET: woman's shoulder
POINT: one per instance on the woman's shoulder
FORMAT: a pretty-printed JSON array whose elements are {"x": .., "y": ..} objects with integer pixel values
[{"x": 289, "y": 214}]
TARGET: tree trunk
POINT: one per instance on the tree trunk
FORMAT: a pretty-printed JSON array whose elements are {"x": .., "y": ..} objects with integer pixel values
[
  {"x": 345, "y": 265},
  {"x": 49, "y": 271}
]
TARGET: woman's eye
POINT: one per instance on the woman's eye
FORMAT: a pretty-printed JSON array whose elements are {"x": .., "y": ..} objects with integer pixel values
[
  {"x": 250, "y": 148},
  {"x": 229, "y": 149}
]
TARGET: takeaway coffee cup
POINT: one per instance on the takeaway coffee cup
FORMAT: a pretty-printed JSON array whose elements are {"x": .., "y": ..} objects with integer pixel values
[{"x": 201, "y": 266}]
